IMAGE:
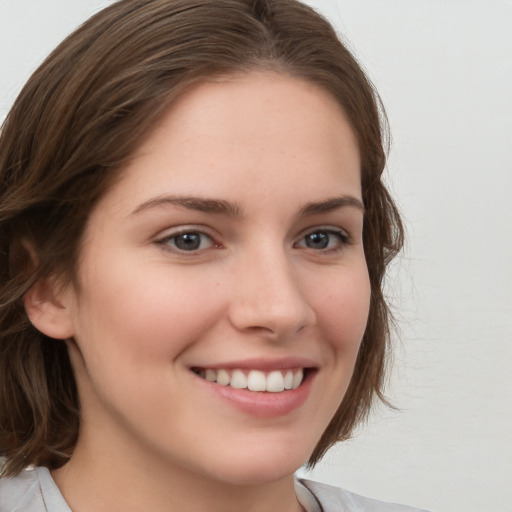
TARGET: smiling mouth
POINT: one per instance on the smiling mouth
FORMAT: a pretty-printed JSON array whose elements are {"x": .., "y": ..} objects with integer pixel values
[{"x": 275, "y": 381}]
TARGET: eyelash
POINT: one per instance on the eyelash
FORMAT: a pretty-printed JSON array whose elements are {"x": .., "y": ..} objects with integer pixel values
[
  {"x": 166, "y": 241},
  {"x": 342, "y": 237},
  {"x": 169, "y": 241}
]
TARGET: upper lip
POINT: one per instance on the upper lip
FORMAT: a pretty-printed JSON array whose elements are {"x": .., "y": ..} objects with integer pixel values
[{"x": 261, "y": 364}]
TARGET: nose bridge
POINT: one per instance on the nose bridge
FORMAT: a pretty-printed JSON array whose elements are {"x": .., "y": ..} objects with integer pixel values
[{"x": 269, "y": 298}]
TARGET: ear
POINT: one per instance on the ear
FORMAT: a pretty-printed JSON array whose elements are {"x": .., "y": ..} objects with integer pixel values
[{"x": 48, "y": 309}]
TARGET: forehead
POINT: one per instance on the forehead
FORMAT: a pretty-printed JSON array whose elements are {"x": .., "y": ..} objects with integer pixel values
[
  {"x": 259, "y": 102},
  {"x": 263, "y": 130}
]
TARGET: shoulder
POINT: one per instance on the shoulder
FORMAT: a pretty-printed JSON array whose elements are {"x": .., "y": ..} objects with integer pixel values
[
  {"x": 19, "y": 492},
  {"x": 334, "y": 499},
  {"x": 32, "y": 490}
]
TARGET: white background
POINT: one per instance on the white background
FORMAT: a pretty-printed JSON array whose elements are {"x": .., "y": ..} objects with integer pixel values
[{"x": 444, "y": 71}]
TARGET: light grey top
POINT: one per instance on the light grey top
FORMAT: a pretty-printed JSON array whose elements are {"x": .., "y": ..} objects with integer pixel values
[{"x": 35, "y": 491}]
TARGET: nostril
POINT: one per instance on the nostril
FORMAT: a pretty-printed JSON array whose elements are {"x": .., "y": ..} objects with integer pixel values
[{"x": 270, "y": 306}]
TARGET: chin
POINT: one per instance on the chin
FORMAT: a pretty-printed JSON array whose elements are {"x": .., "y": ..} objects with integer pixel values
[
  {"x": 251, "y": 468},
  {"x": 256, "y": 476}
]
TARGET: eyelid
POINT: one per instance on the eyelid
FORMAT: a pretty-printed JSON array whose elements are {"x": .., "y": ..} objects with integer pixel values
[
  {"x": 163, "y": 240},
  {"x": 342, "y": 234}
]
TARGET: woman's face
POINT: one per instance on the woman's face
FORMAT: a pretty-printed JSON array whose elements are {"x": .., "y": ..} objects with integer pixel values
[{"x": 228, "y": 255}]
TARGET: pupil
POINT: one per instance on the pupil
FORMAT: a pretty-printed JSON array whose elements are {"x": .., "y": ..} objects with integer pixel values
[
  {"x": 188, "y": 241},
  {"x": 319, "y": 240}
]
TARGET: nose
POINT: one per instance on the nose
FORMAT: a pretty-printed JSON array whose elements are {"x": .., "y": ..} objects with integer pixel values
[{"x": 268, "y": 299}]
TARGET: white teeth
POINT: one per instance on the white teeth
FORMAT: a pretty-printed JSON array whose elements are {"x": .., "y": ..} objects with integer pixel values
[
  {"x": 238, "y": 380},
  {"x": 223, "y": 377},
  {"x": 255, "y": 380},
  {"x": 297, "y": 379},
  {"x": 288, "y": 380},
  {"x": 211, "y": 375},
  {"x": 275, "y": 382}
]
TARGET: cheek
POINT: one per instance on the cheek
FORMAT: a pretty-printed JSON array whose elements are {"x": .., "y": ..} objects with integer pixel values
[
  {"x": 343, "y": 308},
  {"x": 145, "y": 315},
  {"x": 131, "y": 331}
]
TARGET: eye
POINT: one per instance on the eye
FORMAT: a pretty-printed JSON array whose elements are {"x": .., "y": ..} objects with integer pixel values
[
  {"x": 188, "y": 241},
  {"x": 324, "y": 240}
]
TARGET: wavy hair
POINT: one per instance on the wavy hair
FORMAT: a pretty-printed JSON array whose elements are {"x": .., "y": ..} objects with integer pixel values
[{"x": 77, "y": 122}]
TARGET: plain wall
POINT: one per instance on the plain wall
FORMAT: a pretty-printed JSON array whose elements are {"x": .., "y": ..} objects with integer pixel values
[{"x": 444, "y": 71}]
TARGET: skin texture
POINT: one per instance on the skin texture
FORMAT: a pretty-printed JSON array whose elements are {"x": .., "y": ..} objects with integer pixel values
[{"x": 153, "y": 434}]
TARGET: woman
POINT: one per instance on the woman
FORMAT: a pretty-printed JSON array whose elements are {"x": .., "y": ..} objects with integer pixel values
[{"x": 194, "y": 236}]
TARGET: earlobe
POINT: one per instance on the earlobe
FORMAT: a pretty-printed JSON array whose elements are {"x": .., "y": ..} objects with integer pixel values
[{"x": 46, "y": 310}]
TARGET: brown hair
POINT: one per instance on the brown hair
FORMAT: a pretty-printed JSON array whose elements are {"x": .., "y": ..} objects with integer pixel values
[{"x": 77, "y": 122}]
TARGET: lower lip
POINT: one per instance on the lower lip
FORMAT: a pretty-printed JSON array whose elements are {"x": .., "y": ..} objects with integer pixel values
[{"x": 263, "y": 403}]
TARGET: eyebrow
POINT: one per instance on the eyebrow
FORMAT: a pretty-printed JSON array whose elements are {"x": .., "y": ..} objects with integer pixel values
[
  {"x": 218, "y": 206},
  {"x": 223, "y": 207},
  {"x": 332, "y": 203}
]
